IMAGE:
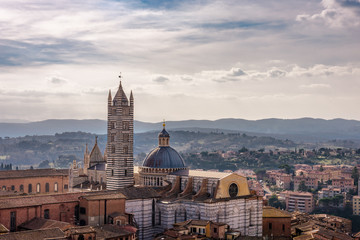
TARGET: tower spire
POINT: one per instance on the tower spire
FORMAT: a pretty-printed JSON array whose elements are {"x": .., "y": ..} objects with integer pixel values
[{"x": 109, "y": 97}]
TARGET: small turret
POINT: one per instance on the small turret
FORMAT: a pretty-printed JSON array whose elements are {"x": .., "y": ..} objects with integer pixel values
[{"x": 131, "y": 99}]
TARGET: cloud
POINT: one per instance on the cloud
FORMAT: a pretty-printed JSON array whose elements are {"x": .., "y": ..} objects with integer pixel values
[
  {"x": 161, "y": 79},
  {"x": 276, "y": 73},
  {"x": 57, "y": 80},
  {"x": 316, "y": 86},
  {"x": 236, "y": 72},
  {"x": 186, "y": 78},
  {"x": 336, "y": 14}
]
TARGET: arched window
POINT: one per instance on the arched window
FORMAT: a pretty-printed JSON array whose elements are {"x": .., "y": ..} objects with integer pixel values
[
  {"x": 47, "y": 187},
  {"x": 21, "y": 188},
  {"x": 47, "y": 214},
  {"x": 38, "y": 188},
  {"x": 56, "y": 187}
]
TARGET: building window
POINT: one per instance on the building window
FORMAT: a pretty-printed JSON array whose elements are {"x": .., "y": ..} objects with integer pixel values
[
  {"x": 283, "y": 227},
  {"x": 38, "y": 188},
  {"x": 12, "y": 188},
  {"x": 270, "y": 226},
  {"x": 12, "y": 221},
  {"x": 126, "y": 150},
  {"x": 47, "y": 187},
  {"x": 112, "y": 139},
  {"x": 125, "y": 162},
  {"x": 30, "y": 188},
  {"x": 66, "y": 186},
  {"x": 82, "y": 210},
  {"x": 101, "y": 180},
  {"x": 4, "y": 188},
  {"x": 112, "y": 172},
  {"x": 112, "y": 125},
  {"x": 112, "y": 149},
  {"x": 81, "y": 237},
  {"x": 47, "y": 214},
  {"x": 125, "y": 126},
  {"x": 21, "y": 188},
  {"x": 56, "y": 187},
  {"x": 215, "y": 230},
  {"x": 125, "y": 172},
  {"x": 126, "y": 137}
]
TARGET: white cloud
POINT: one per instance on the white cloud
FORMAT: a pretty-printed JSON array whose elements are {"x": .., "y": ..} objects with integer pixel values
[
  {"x": 315, "y": 86},
  {"x": 336, "y": 14}
]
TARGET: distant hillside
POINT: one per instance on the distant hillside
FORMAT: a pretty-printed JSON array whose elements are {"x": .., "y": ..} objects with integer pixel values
[
  {"x": 300, "y": 130},
  {"x": 61, "y": 149}
]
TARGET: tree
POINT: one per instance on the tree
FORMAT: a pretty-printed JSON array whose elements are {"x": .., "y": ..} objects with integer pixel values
[
  {"x": 286, "y": 167},
  {"x": 243, "y": 149},
  {"x": 302, "y": 187},
  {"x": 260, "y": 174},
  {"x": 274, "y": 202},
  {"x": 44, "y": 164}
]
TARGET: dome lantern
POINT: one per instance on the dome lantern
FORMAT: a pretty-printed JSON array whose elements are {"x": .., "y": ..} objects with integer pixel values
[{"x": 164, "y": 137}]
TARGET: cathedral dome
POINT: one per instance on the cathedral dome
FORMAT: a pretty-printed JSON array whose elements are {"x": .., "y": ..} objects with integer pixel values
[{"x": 164, "y": 157}]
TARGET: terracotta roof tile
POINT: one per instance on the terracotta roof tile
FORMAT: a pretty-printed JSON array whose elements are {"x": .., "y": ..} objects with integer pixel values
[
  {"x": 33, "y": 173},
  {"x": 270, "y": 212},
  {"x": 34, "y": 234},
  {"x": 36, "y": 200}
]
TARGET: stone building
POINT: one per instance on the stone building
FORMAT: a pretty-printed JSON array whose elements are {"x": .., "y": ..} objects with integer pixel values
[
  {"x": 276, "y": 223},
  {"x": 197, "y": 195},
  {"x": 93, "y": 173},
  {"x": 298, "y": 201},
  {"x": 34, "y": 181},
  {"x": 15, "y": 210},
  {"x": 120, "y": 134}
]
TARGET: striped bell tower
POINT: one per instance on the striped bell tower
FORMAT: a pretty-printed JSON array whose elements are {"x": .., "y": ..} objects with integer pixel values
[{"x": 120, "y": 140}]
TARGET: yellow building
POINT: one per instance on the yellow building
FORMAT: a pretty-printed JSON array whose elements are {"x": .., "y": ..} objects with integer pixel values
[{"x": 356, "y": 205}]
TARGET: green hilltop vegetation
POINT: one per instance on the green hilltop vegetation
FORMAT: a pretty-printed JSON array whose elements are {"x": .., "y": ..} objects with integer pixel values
[{"x": 206, "y": 150}]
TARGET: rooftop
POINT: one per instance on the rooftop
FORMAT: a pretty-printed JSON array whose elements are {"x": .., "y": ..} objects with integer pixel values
[
  {"x": 41, "y": 223},
  {"x": 33, "y": 173},
  {"x": 271, "y": 212},
  {"x": 36, "y": 200},
  {"x": 34, "y": 234}
]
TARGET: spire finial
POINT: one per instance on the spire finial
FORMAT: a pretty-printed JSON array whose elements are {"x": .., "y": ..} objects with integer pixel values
[
  {"x": 96, "y": 139},
  {"x": 120, "y": 77},
  {"x": 164, "y": 123}
]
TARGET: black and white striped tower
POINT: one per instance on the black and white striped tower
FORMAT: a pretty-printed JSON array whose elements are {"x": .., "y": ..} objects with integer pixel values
[{"x": 120, "y": 140}]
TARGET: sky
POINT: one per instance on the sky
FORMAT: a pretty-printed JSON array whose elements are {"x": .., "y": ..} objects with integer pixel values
[{"x": 182, "y": 59}]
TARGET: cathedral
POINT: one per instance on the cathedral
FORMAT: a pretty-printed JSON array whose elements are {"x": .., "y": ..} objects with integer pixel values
[{"x": 167, "y": 191}]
